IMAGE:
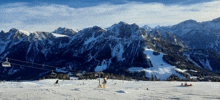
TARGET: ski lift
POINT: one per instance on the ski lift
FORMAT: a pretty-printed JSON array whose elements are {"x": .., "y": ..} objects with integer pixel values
[
  {"x": 6, "y": 63},
  {"x": 53, "y": 74},
  {"x": 78, "y": 74}
]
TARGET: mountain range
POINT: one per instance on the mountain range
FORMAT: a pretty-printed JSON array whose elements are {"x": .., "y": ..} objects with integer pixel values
[
  {"x": 188, "y": 48},
  {"x": 200, "y": 39}
]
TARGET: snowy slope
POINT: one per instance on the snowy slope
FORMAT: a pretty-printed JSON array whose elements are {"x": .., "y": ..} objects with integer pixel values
[
  {"x": 124, "y": 90},
  {"x": 101, "y": 67},
  {"x": 160, "y": 69}
]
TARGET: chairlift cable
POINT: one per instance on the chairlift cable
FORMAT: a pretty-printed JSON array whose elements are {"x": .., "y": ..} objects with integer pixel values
[
  {"x": 33, "y": 63},
  {"x": 31, "y": 66},
  {"x": 39, "y": 68},
  {"x": 40, "y": 64}
]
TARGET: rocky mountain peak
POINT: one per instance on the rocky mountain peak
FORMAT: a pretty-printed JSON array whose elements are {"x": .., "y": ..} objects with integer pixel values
[
  {"x": 189, "y": 21},
  {"x": 146, "y": 27},
  {"x": 3, "y": 31},
  {"x": 92, "y": 29},
  {"x": 96, "y": 28},
  {"x": 188, "y": 24},
  {"x": 216, "y": 20},
  {"x": 13, "y": 30},
  {"x": 134, "y": 25},
  {"x": 124, "y": 30},
  {"x": 121, "y": 23},
  {"x": 65, "y": 31},
  {"x": 158, "y": 26},
  {"x": 61, "y": 29}
]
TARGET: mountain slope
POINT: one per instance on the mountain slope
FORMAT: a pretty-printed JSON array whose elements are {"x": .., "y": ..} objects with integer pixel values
[
  {"x": 115, "y": 49},
  {"x": 195, "y": 37}
]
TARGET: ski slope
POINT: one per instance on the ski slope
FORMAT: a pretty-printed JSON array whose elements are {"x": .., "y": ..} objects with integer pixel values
[
  {"x": 127, "y": 90},
  {"x": 160, "y": 69}
]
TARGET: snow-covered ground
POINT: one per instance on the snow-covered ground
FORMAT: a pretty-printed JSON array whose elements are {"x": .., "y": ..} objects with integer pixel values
[
  {"x": 127, "y": 90},
  {"x": 160, "y": 69}
]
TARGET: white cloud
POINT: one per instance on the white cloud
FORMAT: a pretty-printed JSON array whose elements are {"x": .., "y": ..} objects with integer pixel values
[{"x": 49, "y": 17}]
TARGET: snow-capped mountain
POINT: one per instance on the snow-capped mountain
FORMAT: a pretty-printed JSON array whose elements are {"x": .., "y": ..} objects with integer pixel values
[
  {"x": 116, "y": 49},
  {"x": 157, "y": 27},
  {"x": 213, "y": 25},
  {"x": 196, "y": 36},
  {"x": 147, "y": 28},
  {"x": 65, "y": 31}
]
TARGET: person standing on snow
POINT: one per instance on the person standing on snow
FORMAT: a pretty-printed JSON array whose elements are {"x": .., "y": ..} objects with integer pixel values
[
  {"x": 56, "y": 82},
  {"x": 105, "y": 81}
]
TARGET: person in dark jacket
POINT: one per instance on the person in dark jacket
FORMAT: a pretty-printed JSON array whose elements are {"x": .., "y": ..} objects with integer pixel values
[
  {"x": 56, "y": 82},
  {"x": 105, "y": 81}
]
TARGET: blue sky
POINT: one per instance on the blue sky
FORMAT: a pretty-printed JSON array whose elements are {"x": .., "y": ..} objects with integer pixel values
[
  {"x": 47, "y": 15},
  {"x": 87, "y": 3}
]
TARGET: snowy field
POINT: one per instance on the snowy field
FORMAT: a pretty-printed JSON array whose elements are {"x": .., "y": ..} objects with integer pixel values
[{"x": 127, "y": 90}]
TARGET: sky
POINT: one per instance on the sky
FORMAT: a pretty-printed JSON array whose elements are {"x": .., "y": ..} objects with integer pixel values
[{"x": 48, "y": 15}]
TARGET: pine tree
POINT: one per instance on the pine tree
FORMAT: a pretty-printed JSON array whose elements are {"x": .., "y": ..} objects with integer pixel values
[
  {"x": 155, "y": 77},
  {"x": 143, "y": 73},
  {"x": 152, "y": 77}
]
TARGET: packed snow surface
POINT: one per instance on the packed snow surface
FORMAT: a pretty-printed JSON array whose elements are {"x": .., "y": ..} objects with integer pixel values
[
  {"x": 127, "y": 90},
  {"x": 160, "y": 69}
]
